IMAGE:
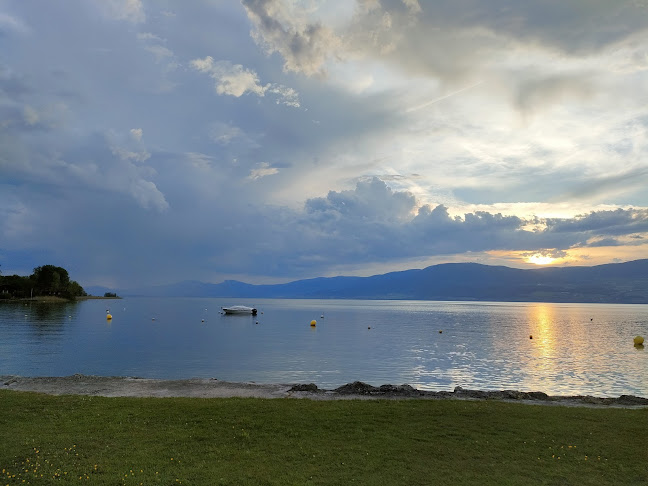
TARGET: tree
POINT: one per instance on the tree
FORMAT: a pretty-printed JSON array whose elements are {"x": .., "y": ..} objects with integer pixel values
[
  {"x": 50, "y": 279},
  {"x": 14, "y": 286},
  {"x": 46, "y": 280},
  {"x": 74, "y": 290}
]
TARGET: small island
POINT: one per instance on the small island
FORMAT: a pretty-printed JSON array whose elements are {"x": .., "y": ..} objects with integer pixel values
[{"x": 105, "y": 296}]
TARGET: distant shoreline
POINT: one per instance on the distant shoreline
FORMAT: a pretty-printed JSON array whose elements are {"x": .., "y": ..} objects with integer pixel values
[
  {"x": 53, "y": 299},
  {"x": 97, "y": 297}
]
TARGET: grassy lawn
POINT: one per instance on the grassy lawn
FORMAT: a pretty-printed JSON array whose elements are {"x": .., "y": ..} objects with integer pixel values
[{"x": 93, "y": 440}]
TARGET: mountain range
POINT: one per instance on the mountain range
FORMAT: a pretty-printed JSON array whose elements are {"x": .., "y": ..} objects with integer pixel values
[{"x": 611, "y": 283}]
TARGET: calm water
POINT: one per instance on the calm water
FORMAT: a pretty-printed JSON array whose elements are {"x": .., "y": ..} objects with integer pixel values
[{"x": 576, "y": 348}]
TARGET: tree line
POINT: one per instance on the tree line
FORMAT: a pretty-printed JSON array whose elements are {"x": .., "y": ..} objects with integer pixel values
[{"x": 45, "y": 280}]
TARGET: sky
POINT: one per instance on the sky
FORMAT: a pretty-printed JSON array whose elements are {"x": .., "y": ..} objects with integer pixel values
[{"x": 150, "y": 142}]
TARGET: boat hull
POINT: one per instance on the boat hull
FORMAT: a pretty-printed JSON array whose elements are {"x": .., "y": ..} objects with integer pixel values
[{"x": 240, "y": 309}]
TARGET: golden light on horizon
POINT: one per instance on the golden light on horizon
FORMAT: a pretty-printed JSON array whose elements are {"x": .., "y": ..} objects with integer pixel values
[{"x": 539, "y": 259}]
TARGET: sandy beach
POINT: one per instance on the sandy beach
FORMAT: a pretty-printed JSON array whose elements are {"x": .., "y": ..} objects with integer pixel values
[{"x": 214, "y": 388}]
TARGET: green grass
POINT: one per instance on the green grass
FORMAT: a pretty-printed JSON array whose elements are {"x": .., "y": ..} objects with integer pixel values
[{"x": 93, "y": 440}]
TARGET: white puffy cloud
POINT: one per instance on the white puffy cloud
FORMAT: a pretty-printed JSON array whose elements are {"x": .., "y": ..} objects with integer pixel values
[
  {"x": 147, "y": 194},
  {"x": 230, "y": 79},
  {"x": 235, "y": 80},
  {"x": 371, "y": 200}
]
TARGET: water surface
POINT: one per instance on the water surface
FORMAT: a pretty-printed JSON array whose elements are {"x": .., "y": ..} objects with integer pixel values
[{"x": 576, "y": 348}]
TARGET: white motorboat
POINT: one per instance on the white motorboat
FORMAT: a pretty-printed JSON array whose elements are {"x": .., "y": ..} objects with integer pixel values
[{"x": 240, "y": 309}]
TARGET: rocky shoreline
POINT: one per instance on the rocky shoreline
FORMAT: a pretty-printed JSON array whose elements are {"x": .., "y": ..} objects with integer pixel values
[{"x": 213, "y": 388}]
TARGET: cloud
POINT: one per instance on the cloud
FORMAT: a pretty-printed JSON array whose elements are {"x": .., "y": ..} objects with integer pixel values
[
  {"x": 224, "y": 133},
  {"x": 231, "y": 79},
  {"x": 262, "y": 170},
  {"x": 200, "y": 161},
  {"x": 304, "y": 46},
  {"x": 110, "y": 164},
  {"x": 618, "y": 222},
  {"x": 628, "y": 179},
  {"x": 372, "y": 221},
  {"x": 136, "y": 134},
  {"x": 148, "y": 36},
  {"x": 235, "y": 80},
  {"x": 525, "y": 133},
  {"x": 31, "y": 116},
  {"x": 413, "y": 6},
  {"x": 127, "y": 149},
  {"x": 161, "y": 53},
  {"x": 462, "y": 42},
  {"x": 285, "y": 96},
  {"x": 541, "y": 93},
  {"x": 12, "y": 24},
  {"x": 147, "y": 194},
  {"x": 372, "y": 200},
  {"x": 128, "y": 10}
]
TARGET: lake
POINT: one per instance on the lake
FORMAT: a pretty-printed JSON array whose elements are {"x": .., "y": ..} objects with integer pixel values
[{"x": 576, "y": 348}]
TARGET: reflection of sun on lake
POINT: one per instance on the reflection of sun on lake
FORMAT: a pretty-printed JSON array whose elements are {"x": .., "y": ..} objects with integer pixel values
[
  {"x": 543, "y": 329},
  {"x": 560, "y": 348}
]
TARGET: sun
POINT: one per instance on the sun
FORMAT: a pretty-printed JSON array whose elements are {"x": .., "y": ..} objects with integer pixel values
[{"x": 539, "y": 259}]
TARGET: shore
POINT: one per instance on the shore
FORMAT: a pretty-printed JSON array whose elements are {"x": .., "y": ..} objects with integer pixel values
[
  {"x": 58, "y": 300},
  {"x": 213, "y": 388}
]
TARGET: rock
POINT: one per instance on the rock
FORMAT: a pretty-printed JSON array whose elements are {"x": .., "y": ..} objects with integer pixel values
[
  {"x": 631, "y": 400},
  {"x": 356, "y": 388},
  {"x": 399, "y": 390},
  {"x": 306, "y": 387},
  {"x": 387, "y": 391}
]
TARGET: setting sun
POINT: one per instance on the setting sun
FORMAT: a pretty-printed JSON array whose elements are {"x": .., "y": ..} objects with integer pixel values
[{"x": 540, "y": 259}]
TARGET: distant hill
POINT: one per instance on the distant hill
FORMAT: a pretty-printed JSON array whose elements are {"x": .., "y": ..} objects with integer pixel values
[{"x": 611, "y": 283}]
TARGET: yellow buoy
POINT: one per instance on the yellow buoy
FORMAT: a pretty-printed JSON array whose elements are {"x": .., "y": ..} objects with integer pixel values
[
  {"x": 109, "y": 316},
  {"x": 638, "y": 340},
  {"x": 313, "y": 323}
]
